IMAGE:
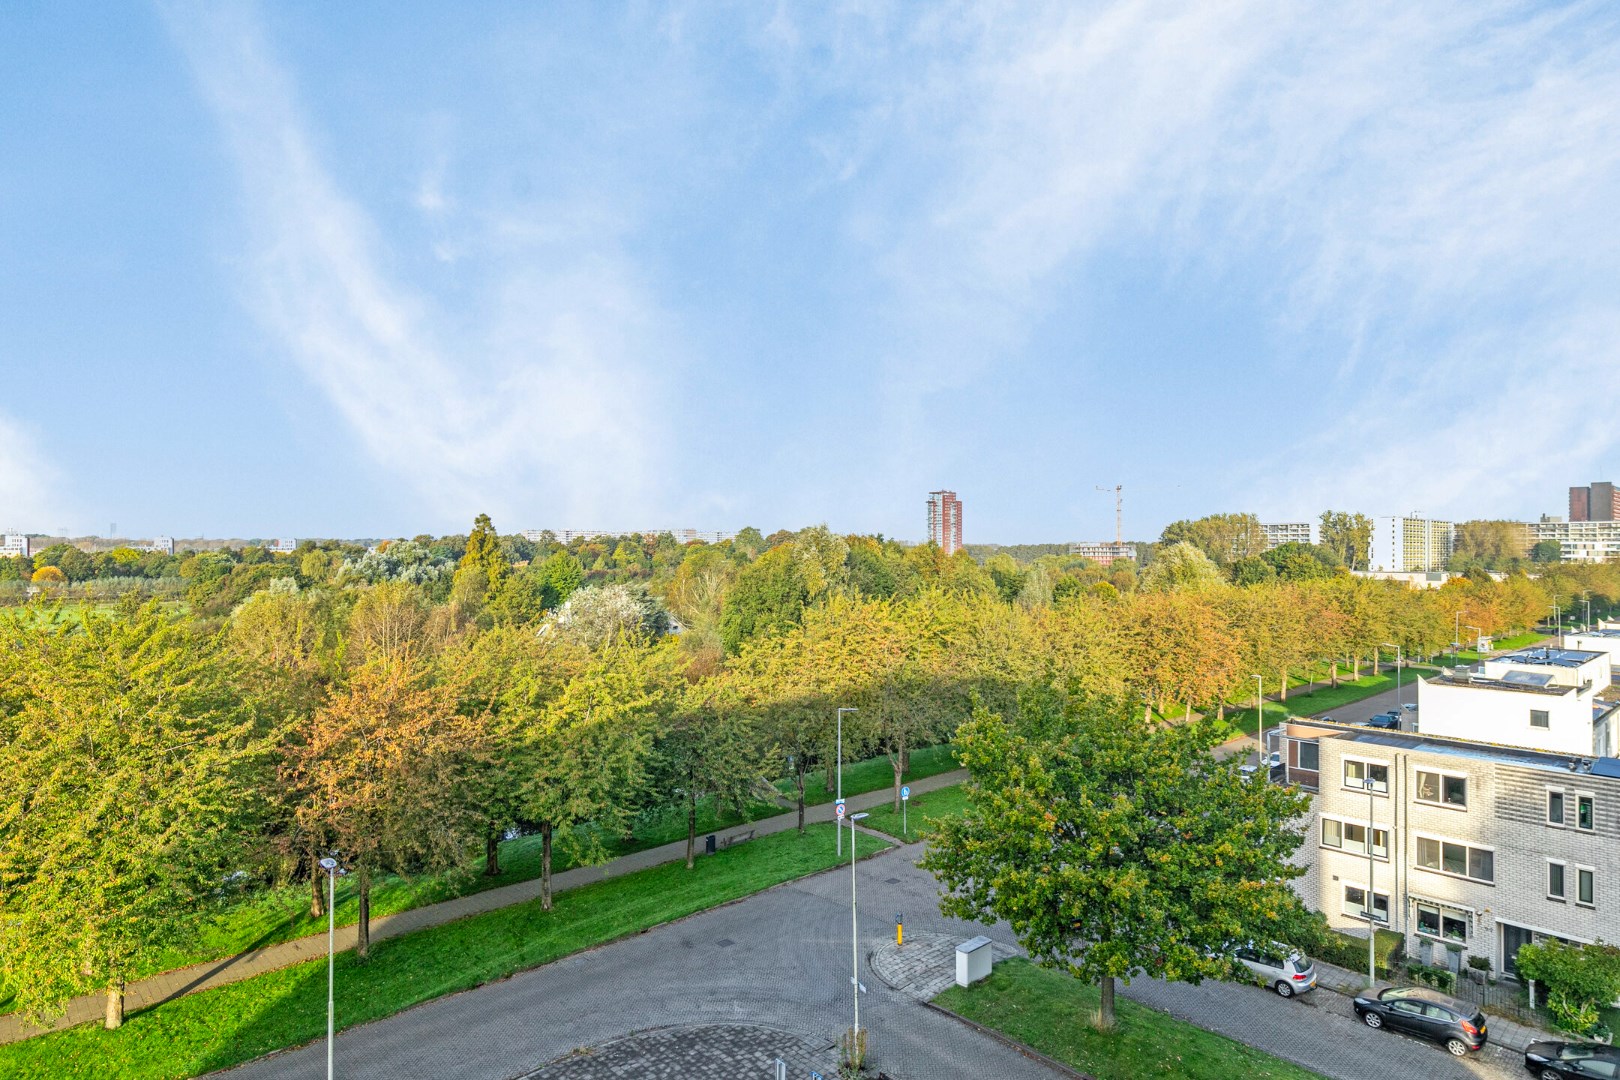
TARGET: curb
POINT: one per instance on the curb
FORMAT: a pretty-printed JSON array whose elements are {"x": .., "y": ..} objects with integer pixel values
[{"x": 1012, "y": 1044}]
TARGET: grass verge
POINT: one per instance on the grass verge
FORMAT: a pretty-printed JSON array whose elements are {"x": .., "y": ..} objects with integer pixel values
[
  {"x": 920, "y": 815},
  {"x": 1049, "y": 1011},
  {"x": 219, "y": 1028},
  {"x": 873, "y": 774},
  {"x": 1326, "y": 699}
]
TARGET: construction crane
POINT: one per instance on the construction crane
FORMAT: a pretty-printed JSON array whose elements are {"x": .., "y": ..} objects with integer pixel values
[{"x": 1119, "y": 510}]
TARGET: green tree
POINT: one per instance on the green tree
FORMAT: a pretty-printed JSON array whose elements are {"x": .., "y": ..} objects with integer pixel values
[
  {"x": 1181, "y": 567},
  {"x": 711, "y": 748},
  {"x": 1578, "y": 978},
  {"x": 1223, "y": 537},
  {"x": 1302, "y": 562},
  {"x": 1349, "y": 536},
  {"x": 1114, "y": 847},
  {"x": 768, "y": 595},
  {"x": 133, "y": 772},
  {"x": 1546, "y": 551}
]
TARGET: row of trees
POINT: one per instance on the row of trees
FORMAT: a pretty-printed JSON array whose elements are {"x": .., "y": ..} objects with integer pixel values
[{"x": 162, "y": 761}]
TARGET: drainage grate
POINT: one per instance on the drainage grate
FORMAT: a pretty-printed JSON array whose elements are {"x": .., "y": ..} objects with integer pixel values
[{"x": 725, "y": 942}]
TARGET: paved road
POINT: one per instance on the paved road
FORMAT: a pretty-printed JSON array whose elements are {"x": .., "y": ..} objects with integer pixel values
[{"x": 781, "y": 960}]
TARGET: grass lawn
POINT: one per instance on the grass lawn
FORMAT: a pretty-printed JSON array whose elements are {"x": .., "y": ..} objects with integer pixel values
[
  {"x": 1327, "y": 699},
  {"x": 1048, "y": 1011},
  {"x": 925, "y": 809},
  {"x": 223, "y": 1027},
  {"x": 872, "y": 774}
]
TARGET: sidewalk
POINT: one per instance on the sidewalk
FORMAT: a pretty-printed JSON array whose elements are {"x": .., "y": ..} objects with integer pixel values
[{"x": 172, "y": 984}]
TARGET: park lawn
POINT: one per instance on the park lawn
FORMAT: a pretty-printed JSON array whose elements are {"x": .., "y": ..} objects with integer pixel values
[
  {"x": 873, "y": 774},
  {"x": 924, "y": 810},
  {"x": 219, "y": 1028},
  {"x": 1049, "y": 1011},
  {"x": 1327, "y": 699}
]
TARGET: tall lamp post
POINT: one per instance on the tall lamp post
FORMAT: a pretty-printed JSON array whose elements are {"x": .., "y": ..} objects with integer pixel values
[
  {"x": 1372, "y": 923},
  {"x": 1456, "y": 636},
  {"x": 854, "y": 935},
  {"x": 1479, "y": 639},
  {"x": 842, "y": 710},
  {"x": 330, "y": 865},
  {"x": 1398, "y": 656},
  {"x": 1586, "y": 598}
]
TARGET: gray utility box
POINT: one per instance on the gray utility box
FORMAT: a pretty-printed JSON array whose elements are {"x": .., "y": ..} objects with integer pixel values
[{"x": 973, "y": 961}]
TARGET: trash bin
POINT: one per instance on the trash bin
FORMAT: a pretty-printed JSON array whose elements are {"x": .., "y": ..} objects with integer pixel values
[{"x": 708, "y": 844}]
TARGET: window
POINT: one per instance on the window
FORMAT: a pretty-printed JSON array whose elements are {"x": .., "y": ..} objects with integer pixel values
[
  {"x": 1585, "y": 886},
  {"x": 1555, "y": 881},
  {"x": 1441, "y": 924},
  {"x": 1355, "y": 903},
  {"x": 1349, "y": 836},
  {"x": 1332, "y": 833},
  {"x": 1585, "y": 818},
  {"x": 1310, "y": 756},
  {"x": 1442, "y": 789},
  {"x": 1540, "y": 718},
  {"x": 1459, "y": 860},
  {"x": 1555, "y": 808},
  {"x": 1357, "y": 773}
]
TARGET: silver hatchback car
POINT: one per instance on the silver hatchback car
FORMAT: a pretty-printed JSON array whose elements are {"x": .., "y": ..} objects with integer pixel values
[{"x": 1286, "y": 971}]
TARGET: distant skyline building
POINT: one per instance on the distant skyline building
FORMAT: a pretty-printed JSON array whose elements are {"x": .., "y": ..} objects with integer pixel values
[
  {"x": 13, "y": 546},
  {"x": 1402, "y": 544},
  {"x": 685, "y": 536},
  {"x": 1579, "y": 541},
  {"x": 1291, "y": 532},
  {"x": 1595, "y": 502},
  {"x": 945, "y": 521},
  {"x": 1106, "y": 552}
]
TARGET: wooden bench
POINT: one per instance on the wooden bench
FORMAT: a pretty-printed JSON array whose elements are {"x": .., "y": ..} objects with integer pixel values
[{"x": 736, "y": 838}]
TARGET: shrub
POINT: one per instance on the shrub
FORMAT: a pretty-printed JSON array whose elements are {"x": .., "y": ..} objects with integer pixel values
[
  {"x": 1480, "y": 963},
  {"x": 1578, "y": 978},
  {"x": 1442, "y": 979}
]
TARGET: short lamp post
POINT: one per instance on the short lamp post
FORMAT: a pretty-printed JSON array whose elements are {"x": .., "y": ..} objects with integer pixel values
[
  {"x": 1479, "y": 640},
  {"x": 1587, "y": 600},
  {"x": 330, "y": 865},
  {"x": 1456, "y": 636},
  {"x": 840, "y": 757},
  {"x": 1398, "y": 657},
  {"x": 1260, "y": 719}
]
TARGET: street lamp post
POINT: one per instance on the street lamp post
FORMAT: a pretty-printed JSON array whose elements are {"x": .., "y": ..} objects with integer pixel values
[
  {"x": 1398, "y": 656},
  {"x": 842, "y": 710},
  {"x": 1372, "y": 923},
  {"x": 854, "y": 936},
  {"x": 1479, "y": 640},
  {"x": 1586, "y": 598},
  {"x": 1456, "y": 636},
  {"x": 330, "y": 865}
]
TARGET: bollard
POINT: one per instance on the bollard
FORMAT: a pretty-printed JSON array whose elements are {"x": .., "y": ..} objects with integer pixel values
[
  {"x": 781, "y": 1069},
  {"x": 899, "y": 930}
]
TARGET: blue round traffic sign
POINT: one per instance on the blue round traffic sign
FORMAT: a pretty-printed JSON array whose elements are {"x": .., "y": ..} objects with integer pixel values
[
  {"x": 905, "y": 792},
  {"x": 839, "y": 810}
]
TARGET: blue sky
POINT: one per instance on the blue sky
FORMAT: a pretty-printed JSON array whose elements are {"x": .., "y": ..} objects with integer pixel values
[{"x": 362, "y": 269}]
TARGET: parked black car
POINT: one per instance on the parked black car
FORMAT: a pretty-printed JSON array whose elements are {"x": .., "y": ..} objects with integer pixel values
[
  {"x": 1558, "y": 1060},
  {"x": 1428, "y": 1014},
  {"x": 1387, "y": 720}
]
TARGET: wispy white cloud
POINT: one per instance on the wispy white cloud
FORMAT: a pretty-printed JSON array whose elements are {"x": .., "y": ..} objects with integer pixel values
[
  {"x": 31, "y": 496},
  {"x": 535, "y": 401},
  {"x": 1426, "y": 190}
]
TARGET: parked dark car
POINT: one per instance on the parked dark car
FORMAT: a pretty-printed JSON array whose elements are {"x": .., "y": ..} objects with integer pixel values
[
  {"x": 1387, "y": 720},
  {"x": 1558, "y": 1060},
  {"x": 1428, "y": 1014}
]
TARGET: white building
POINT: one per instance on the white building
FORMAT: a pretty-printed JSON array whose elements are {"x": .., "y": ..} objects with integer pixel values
[
  {"x": 13, "y": 546},
  {"x": 1544, "y": 699},
  {"x": 284, "y": 546},
  {"x": 1579, "y": 541},
  {"x": 163, "y": 545},
  {"x": 1105, "y": 553},
  {"x": 1603, "y": 640},
  {"x": 1403, "y": 544},
  {"x": 1291, "y": 532}
]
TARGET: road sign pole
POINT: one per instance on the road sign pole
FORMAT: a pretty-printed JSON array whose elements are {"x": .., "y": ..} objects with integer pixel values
[{"x": 905, "y": 803}]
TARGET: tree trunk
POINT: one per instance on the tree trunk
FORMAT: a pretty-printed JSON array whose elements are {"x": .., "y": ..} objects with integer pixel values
[
  {"x": 1188, "y": 717},
  {"x": 1355, "y": 668},
  {"x": 545, "y": 866},
  {"x": 317, "y": 892},
  {"x": 1220, "y": 710},
  {"x": 115, "y": 1005},
  {"x": 362, "y": 941},
  {"x": 691, "y": 827},
  {"x": 895, "y": 760},
  {"x": 1105, "y": 1014},
  {"x": 798, "y": 783},
  {"x": 1282, "y": 695},
  {"x": 1335, "y": 674},
  {"x": 492, "y": 853}
]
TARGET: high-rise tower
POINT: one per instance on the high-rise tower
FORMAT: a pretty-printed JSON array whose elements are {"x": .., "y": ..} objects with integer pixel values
[{"x": 945, "y": 521}]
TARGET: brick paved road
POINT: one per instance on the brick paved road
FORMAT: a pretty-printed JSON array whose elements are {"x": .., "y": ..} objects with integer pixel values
[
  {"x": 709, "y": 1052},
  {"x": 781, "y": 960}
]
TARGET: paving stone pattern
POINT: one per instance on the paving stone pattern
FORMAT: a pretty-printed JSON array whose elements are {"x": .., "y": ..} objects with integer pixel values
[
  {"x": 926, "y": 964},
  {"x": 705, "y": 1052}
]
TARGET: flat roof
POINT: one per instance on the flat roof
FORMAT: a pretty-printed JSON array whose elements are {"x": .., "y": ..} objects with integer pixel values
[
  {"x": 1545, "y": 760},
  {"x": 1548, "y": 657},
  {"x": 1485, "y": 682},
  {"x": 1594, "y": 633}
]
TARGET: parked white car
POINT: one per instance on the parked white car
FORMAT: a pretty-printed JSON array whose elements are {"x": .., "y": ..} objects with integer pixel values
[{"x": 1286, "y": 972}]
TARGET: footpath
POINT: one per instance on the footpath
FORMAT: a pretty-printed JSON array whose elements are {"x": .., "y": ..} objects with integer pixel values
[{"x": 169, "y": 985}]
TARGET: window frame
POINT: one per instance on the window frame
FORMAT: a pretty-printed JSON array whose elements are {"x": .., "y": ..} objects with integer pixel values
[
  {"x": 1546, "y": 715},
  {"x": 1562, "y": 895},
  {"x": 1590, "y": 799},
  {"x": 1312, "y": 747},
  {"x": 1360, "y": 913},
  {"x": 1440, "y": 919},
  {"x": 1348, "y": 846},
  {"x": 1588, "y": 874},
  {"x": 1366, "y": 764},
  {"x": 1468, "y": 849},
  {"x": 1443, "y": 775},
  {"x": 1563, "y": 808}
]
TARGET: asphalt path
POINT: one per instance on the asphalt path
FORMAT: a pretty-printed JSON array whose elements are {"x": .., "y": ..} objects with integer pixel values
[{"x": 782, "y": 959}]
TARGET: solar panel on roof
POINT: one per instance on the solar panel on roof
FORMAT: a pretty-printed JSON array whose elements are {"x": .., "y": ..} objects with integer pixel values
[
  {"x": 1603, "y": 766},
  {"x": 1527, "y": 678}
]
